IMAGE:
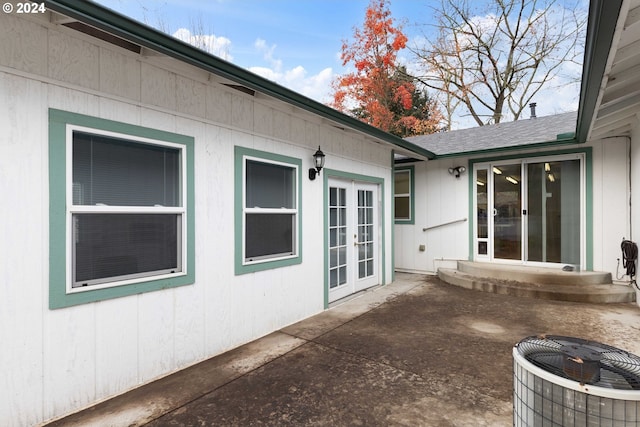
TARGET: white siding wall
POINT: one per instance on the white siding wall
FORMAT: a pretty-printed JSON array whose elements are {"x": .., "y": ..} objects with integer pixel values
[
  {"x": 441, "y": 198},
  {"x": 58, "y": 361},
  {"x": 611, "y": 215}
]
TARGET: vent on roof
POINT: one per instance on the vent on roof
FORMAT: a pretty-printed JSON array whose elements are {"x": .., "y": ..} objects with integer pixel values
[
  {"x": 564, "y": 381},
  {"x": 102, "y": 35}
]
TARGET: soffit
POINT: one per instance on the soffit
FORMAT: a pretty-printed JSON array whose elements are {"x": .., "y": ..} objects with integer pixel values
[{"x": 618, "y": 106}]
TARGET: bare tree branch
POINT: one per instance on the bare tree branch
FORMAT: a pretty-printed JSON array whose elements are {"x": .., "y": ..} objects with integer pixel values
[{"x": 494, "y": 63}]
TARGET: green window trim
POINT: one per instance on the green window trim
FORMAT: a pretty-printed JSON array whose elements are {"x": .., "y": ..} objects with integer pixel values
[
  {"x": 240, "y": 154},
  {"x": 58, "y": 230},
  {"x": 412, "y": 210}
]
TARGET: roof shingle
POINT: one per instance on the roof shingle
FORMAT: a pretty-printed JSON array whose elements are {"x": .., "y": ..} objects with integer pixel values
[{"x": 502, "y": 135}]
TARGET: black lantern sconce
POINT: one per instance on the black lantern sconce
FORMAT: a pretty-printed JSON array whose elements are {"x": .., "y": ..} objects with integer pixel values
[
  {"x": 318, "y": 158},
  {"x": 457, "y": 171}
]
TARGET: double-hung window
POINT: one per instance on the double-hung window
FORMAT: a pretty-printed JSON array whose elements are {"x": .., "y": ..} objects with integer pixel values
[
  {"x": 126, "y": 216},
  {"x": 127, "y": 212},
  {"x": 269, "y": 214},
  {"x": 403, "y": 195}
]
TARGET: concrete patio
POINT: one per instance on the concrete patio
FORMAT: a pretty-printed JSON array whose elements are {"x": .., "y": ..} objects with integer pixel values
[{"x": 417, "y": 352}]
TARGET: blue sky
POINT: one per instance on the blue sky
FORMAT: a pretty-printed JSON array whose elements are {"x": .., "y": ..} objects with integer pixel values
[{"x": 295, "y": 43}]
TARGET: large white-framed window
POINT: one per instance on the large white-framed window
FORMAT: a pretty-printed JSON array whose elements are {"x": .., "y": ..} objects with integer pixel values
[
  {"x": 267, "y": 210},
  {"x": 127, "y": 212},
  {"x": 121, "y": 209}
]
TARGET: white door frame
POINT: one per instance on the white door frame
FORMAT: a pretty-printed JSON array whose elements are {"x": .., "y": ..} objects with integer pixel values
[
  {"x": 343, "y": 229},
  {"x": 488, "y": 166}
]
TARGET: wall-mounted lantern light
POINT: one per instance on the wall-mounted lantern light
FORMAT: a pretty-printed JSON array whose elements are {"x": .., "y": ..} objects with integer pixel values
[
  {"x": 457, "y": 171},
  {"x": 318, "y": 158}
]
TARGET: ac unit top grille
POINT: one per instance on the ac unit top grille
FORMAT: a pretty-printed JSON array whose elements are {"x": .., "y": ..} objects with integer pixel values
[{"x": 587, "y": 362}]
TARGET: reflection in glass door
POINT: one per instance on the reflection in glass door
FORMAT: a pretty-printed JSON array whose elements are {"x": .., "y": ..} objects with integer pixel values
[
  {"x": 507, "y": 211},
  {"x": 553, "y": 212},
  {"x": 365, "y": 237},
  {"x": 337, "y": 237},
  {"x": 482, "y": 208}
]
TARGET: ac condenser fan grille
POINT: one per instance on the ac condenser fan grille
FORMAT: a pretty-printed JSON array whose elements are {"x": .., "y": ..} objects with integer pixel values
[
  {"x": 584, "y": 361},
  {"x": 562, "y": 381}
]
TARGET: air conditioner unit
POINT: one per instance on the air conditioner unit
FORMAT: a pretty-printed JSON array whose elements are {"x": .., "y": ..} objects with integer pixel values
[{"x": 565, "y": 381}]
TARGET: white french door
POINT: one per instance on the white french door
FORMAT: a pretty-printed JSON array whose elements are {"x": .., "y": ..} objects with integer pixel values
[
  {"x": 353, "y": 236},
  {"x": 530, "y": 210}
]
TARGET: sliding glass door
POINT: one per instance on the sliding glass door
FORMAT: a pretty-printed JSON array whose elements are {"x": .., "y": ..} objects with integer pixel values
[
  {"x": 553, "y": 214},
  {"x": 530, "y": 210}
]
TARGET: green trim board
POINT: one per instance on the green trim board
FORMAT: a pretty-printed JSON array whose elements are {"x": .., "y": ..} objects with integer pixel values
[
  {"x": 412, "y": 193},
  {"x": 332, "y": 173},
  {"x": 393, "y": 215},
  {"x": 239, "y": 155},
  {"x": 58, "y": 296},
  {"x": 588, "y": 165}
]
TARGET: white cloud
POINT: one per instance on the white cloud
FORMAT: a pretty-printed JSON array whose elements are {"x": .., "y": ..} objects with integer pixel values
[
  {"x": 317, "y": 87},
  {"x": 267, "y": 54},
  {"x": 265, "y": 72},
  {"x": 218, "y": 46}
]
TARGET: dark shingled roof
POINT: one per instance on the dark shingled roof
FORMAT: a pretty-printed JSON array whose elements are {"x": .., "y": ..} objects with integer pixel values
[{"x": 559, "y": 127}]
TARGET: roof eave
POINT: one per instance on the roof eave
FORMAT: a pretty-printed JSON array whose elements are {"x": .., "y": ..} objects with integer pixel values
[
  {"x": 112, "y": 22},
  {"x": 603, "y": 19}
]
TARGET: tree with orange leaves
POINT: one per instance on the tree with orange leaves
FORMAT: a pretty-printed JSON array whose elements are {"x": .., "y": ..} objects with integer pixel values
[{"x": 379, "y": 92}]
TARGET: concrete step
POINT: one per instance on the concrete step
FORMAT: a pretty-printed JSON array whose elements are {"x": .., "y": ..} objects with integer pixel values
[
  {"x": 520, "y": 273},
  {"x": 586, "y": 293}
]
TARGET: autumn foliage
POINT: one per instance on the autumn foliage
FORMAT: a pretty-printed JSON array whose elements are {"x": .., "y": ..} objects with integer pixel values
[{"x": 378, "y": 91}]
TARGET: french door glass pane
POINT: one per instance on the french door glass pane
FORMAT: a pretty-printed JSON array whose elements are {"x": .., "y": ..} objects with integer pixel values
[
  {"x": 134, "y": 244},
  {"x": 116, "y": 172},
  {"x": 365, "y": 233},
  {"x": 553, "y": 216},
  {"x": 337, "y": 237},
  {"x": 507, "y": 214}
]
